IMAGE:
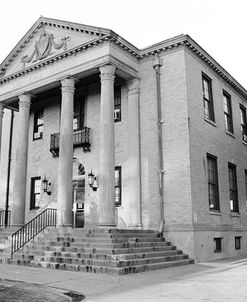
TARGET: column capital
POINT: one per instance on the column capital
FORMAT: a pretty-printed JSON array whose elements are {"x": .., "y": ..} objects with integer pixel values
[
  {"x": 25, "y": 100},
  {"x": 107, "y": 72},
  {"x": 133, "y": 86},
  {"x": 157, "y": 62},
  {"x": 68, "y": 84}
]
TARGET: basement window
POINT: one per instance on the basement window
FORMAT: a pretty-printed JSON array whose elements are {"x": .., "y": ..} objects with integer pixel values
[
  {"x": 238, "y": 243},
  {"x": 217, "y": 245}
]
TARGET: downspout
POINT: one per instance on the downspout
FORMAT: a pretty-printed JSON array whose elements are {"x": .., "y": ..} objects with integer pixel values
[
  {"x": 8, "y": 171},
  {"x": 157, "y": 63}
]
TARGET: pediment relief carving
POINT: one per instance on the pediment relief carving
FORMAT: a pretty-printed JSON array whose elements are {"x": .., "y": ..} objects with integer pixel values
[{"x": 44, "y": 47}]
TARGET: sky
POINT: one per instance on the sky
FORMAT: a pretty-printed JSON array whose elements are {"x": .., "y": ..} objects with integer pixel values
[{"x": 219, "y": 26}]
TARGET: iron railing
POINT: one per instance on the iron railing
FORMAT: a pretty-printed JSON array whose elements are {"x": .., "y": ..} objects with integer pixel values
[
  {"x": 26, "y": 233},
  {"x": 81, "y": 138},
  {"x": 5, "y": 218}
]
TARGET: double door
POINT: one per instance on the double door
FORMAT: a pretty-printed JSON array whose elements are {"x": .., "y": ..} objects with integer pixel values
[{"x": 78, "y": 203}]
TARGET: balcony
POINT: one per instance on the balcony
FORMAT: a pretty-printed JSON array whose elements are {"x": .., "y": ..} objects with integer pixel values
[{"x": 81, "y": 138}]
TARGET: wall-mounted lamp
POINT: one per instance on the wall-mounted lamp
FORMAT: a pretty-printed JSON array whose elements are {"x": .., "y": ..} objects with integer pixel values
[
  {"x": 92, "y": 181},
  {"x": 46, "y": 186}
]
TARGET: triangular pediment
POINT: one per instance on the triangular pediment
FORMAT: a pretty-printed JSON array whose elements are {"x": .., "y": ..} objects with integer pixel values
[{"x": 46, "y": 38}]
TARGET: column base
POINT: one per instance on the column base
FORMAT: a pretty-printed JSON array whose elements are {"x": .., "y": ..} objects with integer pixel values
[
  {"x": 135, "y": 226},
  {"x": 107, "y": 226}
]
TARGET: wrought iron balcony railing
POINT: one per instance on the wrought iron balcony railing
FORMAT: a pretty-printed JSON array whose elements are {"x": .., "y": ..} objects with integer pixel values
[{"x": 81, "y": 138}]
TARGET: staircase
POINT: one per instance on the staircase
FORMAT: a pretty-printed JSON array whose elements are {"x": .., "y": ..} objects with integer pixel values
[{"x": 100, "y": 251}]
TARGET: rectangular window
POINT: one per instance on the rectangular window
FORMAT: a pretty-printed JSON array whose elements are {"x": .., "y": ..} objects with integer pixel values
[
  {"x": 117, "y": 104},
  {"x": 213, "y": 191},
  {"x": 233, "y": 189},
  {"x": 228, "y": 111},
  {"x": 243, "y": 123},
  {"x": 79, "y": 113},
  {"x": 118, "y": 186},
  {"x": 38, "y": 124},
  {"x": 208, "y": 97},
  {"x": 238, "y": 243},
  {"x": 246, "y": 187},
  {"x": 217, "y": 245},
  {"x": 35, "y": 192}
]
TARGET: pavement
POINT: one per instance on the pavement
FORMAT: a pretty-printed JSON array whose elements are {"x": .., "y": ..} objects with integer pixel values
[{"x": 210, "y": 281}]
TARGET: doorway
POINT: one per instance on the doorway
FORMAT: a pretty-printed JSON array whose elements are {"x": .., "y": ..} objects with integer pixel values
[{"x": 78, "y": 203}]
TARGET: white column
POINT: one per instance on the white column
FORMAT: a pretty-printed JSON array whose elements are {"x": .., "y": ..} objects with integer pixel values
[
  {"x": 20, "y": 174},
  {"x": 107, "y": 149},
  {"x": 65, "y": 163},
  {"x": 134, "y": 166},
  {"x": 1, "y": 125}
]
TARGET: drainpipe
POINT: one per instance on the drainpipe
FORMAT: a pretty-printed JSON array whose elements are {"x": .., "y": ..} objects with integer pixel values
[
  {"x": 8, "y": 172},
  {"x": 157, "y": 63}
]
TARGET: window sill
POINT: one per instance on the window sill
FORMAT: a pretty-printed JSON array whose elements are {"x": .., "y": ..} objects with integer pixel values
[
  {"x": 34, "y": 209},
  {"x": 217, "y": 213},
  {"x": 235, "y": 214},
  {"x": 37, "y": 138},
  {"x": 230, "y": 134},
  {"x": 210, "y": 122}
]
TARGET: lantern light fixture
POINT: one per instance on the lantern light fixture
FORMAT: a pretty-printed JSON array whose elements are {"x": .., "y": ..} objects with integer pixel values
[
  {"x": 92, "y": 181},
  {"x": 46, "y": 186}
]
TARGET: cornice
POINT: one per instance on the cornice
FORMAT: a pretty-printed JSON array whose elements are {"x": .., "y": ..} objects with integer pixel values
[{"x": 105, "y": 35}]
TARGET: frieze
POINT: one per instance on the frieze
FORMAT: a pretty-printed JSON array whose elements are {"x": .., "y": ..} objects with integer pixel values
[{"x": 43, "y": 47}]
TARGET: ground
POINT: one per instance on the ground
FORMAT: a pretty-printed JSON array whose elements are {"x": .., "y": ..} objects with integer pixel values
[{"x": 212, "y": 281}]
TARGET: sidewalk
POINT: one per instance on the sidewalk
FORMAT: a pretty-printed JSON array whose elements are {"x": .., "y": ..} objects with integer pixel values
[{"x": 211, "y": 281}]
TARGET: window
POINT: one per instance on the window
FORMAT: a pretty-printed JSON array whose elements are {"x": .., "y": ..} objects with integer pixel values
[
  {"x": 118, "y": 186},
  {"x": 35, "y": 192},
  {"x": 233, "y": 190},
  {"x": 228, "y": 111},
  {"x": 208, "y": 97},
  {"x": 246, "y": 187},
  {"x": 117, "y": 104},
  {"x": 79, "y": 113},
  {"x": 238, "y": 243},
  {"x": 243, "y": 123},
  {"x": 213, "y": 191},
  {"x": 217, "y": 245},
  {"x": 38, "y": 124}
]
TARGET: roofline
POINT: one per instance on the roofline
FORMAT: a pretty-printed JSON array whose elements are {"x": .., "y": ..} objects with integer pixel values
[{"x": 139, "y": 54}]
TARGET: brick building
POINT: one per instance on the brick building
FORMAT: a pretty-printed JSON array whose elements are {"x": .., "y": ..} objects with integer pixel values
[{"x": 153, "y": 138}]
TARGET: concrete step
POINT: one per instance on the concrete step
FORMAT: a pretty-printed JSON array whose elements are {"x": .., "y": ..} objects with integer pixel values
[
  {"x": 101, "y": 269},
  {"x": 102, "y": 244}
]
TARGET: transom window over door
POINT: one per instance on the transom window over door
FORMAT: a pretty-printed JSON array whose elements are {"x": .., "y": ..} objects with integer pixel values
[
  {"x": 213, "y": 190},
  {"x": 79, "y": 113},
  {"x": 208, "y": 97}
]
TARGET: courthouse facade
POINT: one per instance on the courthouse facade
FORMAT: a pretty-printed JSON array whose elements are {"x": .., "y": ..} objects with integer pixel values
[{"x": 111, "y": 135}]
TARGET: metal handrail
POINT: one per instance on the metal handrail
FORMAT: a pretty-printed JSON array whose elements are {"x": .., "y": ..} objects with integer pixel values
[
  {"x": 26, "y": 233},
  {"x": 3, "y": 214}
]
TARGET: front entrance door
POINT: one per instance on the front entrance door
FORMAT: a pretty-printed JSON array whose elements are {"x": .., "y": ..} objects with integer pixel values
[{"x": 78, "y": 205}]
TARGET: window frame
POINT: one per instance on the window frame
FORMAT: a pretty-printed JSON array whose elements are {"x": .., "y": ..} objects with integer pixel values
[
  {"x": 117, "y": 103},
  {"x": 208, "y": 112},
  {"x": 218, "y": 245},
  {"x": 36, "y": 125},
  {"x": 33, "y": 194},
  {"x": 215, "y": 184},
  {"x": 233, "y": 188},
  {"x": 243, "y": 121},
  {"x": 118, "y": 186},
  {"x": 228, "y": 113},
  {"x": 238, "y": 242},
  {"x": 81, "y": 100}
]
